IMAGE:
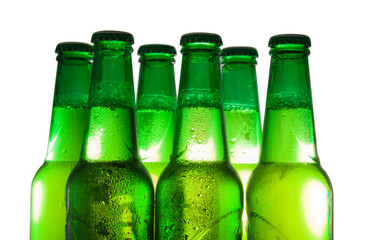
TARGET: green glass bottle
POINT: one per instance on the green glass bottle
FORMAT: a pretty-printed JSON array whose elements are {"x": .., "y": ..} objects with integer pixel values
[
  {"x": 199, "y": 194},
  {"x": 156, "y": 107},
  {"x": 68, "y": 123},
  {"x": 241, "y": 112},
  {"x": 110, "y": 193},
  {"x": 289, "y": 195}
]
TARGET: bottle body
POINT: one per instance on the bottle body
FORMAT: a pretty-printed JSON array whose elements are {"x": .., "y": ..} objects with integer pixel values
[
  {"x": 199, "y": 194},
  {"x": 289, "y": 195},
  {"x": 48, "y": 209},
  {"x": 109, "y": 192},
  {"x": 202, "y": 201},
  {"x": 289, "y": 201},
  {"x": 69, "y": 120},
  {"x": 199, "y": 199},
  {"x": 48, "y": 212},
  {"x": 156, "y": 105},
  {"x": 241, "y": 111},
  {"x": 108, "y": 200},
  {"x": 242, "y": 127}
]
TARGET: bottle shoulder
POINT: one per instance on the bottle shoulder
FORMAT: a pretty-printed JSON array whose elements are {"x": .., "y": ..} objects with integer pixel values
[
  {"x": 219, "y": 173},
  {"x": 289, "y": 177},
  {"x": 120, "y": 172},
  {"x": 53, "y": 170}
]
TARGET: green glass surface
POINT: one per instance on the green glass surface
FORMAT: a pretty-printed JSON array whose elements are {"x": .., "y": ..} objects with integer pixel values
[
  {"x": 155, "y": 136},
  {"x": 199, "y": 194},
  {"x": 289, "y": 195},
  {"x": 110, "y": 193},
  {"x": 156, "y": 106},
  {"x": 243, "y": 135},
  {"x": 68, "y": 123},
  {"x": 241, "y": 111}
]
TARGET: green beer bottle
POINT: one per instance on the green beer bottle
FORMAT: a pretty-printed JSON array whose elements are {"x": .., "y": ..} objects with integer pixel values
[
  {"x": 289, "y": 195},
  {"x": 199, "y": 194},
  {"x": 241, "y": 112},
  {"x": 110, "y": 193},
  {"x": 156, "y": 107},
  {"x": 68, "y": 123}
]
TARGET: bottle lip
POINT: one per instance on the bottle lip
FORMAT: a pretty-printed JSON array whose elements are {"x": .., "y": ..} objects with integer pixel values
[
  {"x": 73, "y": 47},
  {"x": 157, "y": 48},
  {"x": 201, "y": 37},
  {"x": 111, "y": 35},
  {"x": 294, "y": 39},
  {"x": 238, "y": 59},
  {"x": 290, "y": 50},
  {"x": 239, "y": 51}
]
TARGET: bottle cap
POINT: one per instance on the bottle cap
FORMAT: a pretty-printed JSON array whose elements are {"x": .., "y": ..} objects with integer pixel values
[
  {"x": 156, "y": 48},
  {"x": 113, "y": 36},
  {"x": 201, "y": 37},
  {"x": 240, "y": 51},
  {"x": 290, "y": 39},
  {"x": 73, "y": 46}
]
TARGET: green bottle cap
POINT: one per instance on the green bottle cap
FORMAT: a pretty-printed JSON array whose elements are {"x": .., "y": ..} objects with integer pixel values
[
  {"x": 240, "y": 51},
  {"x": 290, "y": 39},
  {"x": 113, "y": 36},
  {"x": 201, "y": 37},
  {"x": 73, "y": 46},
  {"x": 156, "y": 48}
]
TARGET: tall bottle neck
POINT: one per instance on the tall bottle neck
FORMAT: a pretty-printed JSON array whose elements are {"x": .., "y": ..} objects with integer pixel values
[
  {"x": 239, "y": 83},
  {"x": 156, "y": 89},
  {"x": 111, "y": 134},
  {"x": 69, "y": 114},
  {"x": 241, "y": 108},
  {"x": 289, "y": 133},
  {"x": 199, "y": 133},
  {"x": 112, "y": 80},
  {"x": 200, "y": 77}
]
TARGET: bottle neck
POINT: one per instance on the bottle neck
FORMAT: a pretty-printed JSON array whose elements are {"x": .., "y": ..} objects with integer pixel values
[
  {"x": 199, "y": 133},
  {"x": 239, "y": 83},
  {"x": 289, "y": 133},
  {"x": 111, "y": 135},
  {"x": 69, "y": 113},
  {"x": 156, "y": 88},
  {"x": 241, "y": 108}
]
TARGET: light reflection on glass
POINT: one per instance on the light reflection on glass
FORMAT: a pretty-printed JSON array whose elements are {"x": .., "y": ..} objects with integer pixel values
[
  {"x": 151, "y": 154},
  {"x": 94, "y": 147},
  {"x": 307, "y": 151},
  {"x": 37, "y": 200},
  {"x": 51, "y": 144},
  {"x": 244, "y": 154},
  {"x": 315, "y": 207}
]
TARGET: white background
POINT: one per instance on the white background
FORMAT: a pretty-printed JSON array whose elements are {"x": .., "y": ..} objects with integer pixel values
[{"x": 30, "y": 31}]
